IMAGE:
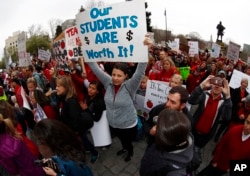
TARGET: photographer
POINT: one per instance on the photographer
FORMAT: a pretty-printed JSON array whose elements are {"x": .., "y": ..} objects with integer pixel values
[
  {"x": 213, "y": 98},
  {"x": 62, "y": 150}
]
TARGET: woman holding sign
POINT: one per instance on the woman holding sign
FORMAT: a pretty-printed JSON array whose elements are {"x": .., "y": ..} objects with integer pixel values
[{"x": 121, "y": 113}]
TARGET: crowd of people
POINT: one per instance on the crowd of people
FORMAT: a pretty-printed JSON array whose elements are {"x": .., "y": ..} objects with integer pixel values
[{"x": 48, "y": 120}]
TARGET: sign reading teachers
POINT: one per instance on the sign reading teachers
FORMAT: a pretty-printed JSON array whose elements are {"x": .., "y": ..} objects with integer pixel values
[
  {"x": 114, "y": 33},
  {"x": 72, "y": 43}
]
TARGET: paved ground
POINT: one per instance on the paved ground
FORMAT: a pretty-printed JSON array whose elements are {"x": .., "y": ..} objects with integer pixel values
[{"x": 109, "y": 164}]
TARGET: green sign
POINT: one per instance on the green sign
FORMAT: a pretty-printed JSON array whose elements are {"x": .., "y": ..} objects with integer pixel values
[{"x": 184, "y": 71}]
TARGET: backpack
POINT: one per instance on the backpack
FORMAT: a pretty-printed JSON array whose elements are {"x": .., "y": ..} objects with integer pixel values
[{"x": 45, "y": 82}]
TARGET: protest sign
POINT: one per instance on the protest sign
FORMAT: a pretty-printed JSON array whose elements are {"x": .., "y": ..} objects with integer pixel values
[
  {"x": 25, "y": 101},
  {"x": 44, "y": 55},
  {"x": 39, "y": 113},
  {"x": 184, "y": 71},
  {"x": 58, "y": 48},
  {"x": 156, "y": 93},
  {"x": 73, "y": 43},
  {"x": 236, "y": 79},
  {"x": 233, "y": 51},
  {"x": 114, "y": 33},
  {"x": 215, "y": 50},
  {"x": 21, "y": 48},
  {"x": 193, "y": 48},
  {"x": 139, "y": 106}
]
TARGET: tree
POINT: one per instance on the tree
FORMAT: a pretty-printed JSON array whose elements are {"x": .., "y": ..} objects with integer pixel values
[
  {"x": 94, "y": 3},
  {"x": 53, "y": 24},
  {"x": 58, "y": 31},
  {"x": 36, "y": 30},
  {"x": 148, "y": 19},
  {"x": 37, "y": 41}
]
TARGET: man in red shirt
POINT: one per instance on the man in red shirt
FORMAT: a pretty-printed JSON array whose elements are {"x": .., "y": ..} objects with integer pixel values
[
  {"x": 234, "y": 145},
  {"x": 213, "y": 98}
]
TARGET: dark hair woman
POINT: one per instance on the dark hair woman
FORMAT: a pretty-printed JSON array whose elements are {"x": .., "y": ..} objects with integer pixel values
[
  {"x": 57, "y": 142},
  {"x": 173, "y": 147}
]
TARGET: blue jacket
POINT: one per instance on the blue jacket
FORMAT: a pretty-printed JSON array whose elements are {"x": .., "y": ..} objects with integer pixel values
[
  {"x": 121, "y": 112},
  {"x": 71, "y": 168}
]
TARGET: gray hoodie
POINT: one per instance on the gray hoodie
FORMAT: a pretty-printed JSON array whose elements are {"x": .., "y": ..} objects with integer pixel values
[{"x": 121, "y": 112}]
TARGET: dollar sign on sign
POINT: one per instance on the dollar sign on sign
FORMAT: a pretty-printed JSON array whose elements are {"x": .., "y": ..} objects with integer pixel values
[
  {"x": 129, "y": 35},
  {"x": 87, "y": 40}
]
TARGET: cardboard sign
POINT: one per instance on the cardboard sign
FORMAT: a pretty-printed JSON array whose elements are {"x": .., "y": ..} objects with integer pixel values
[{"x": 114, "y": 33}]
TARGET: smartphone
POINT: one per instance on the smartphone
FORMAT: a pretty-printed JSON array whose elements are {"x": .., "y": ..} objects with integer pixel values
[{"x": 217, "y": 81}]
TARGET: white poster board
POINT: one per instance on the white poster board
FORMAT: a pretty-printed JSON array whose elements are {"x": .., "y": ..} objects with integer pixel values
[
  {"x": 21, "y": 48},
  {"x": 233, "y": 51},
  {"x": 73, "y": 43},
  {"x": 44, "y": 55},
  {"x": 100, "y": 132},
  {"x": 215, "y": 50},
  {"x": 114, "y": 33},
  {"x": 156, "y": 93},
  {"x": 236, "y": 79},
  {"x": 193, "y": 48},
  {"x": 139, "y": 106}
]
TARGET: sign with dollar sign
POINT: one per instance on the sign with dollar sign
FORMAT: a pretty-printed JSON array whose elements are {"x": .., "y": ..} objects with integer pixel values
[
  {"x": 129, "y": 35},
  {"x": 108, "y": 33}
]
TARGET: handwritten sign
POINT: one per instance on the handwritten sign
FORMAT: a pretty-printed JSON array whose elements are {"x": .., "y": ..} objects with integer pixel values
[
  {"x": 193, "y": 48},
  {"x": 113, "y": 33},
  {"x": 73, "y": 43},
  {"x": 156, "y": 93},
  {"x": 44, "y": 55}
]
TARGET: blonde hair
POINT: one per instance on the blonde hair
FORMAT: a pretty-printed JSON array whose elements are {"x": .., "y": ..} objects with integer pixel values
[
  {"x": 66, "y": 82},
  {"x": 7, "y": 126},
  {"x": 178, "y": 77},
  {"x": 32, "y": 80},
  {"x": 168, "y": 59}
]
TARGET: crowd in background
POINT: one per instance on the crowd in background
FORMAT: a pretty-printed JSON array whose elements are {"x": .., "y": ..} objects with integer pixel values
[{"x": 64, "y": 92}]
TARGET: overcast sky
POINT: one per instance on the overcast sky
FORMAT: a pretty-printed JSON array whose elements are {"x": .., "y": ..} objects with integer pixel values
[{"x": 183, "y": 16}]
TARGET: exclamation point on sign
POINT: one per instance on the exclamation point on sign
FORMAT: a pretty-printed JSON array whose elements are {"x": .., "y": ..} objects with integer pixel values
[{"x": 131, "y": 47}]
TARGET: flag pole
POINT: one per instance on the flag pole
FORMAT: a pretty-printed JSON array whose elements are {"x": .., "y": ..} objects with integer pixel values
[{"x": 165, "y": 14}]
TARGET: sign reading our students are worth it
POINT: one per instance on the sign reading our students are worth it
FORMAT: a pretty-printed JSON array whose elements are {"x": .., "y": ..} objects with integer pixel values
[{"x": 114, "y": 33}]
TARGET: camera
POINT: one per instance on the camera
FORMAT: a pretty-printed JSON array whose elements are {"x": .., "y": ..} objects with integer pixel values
[
  {"x": 49, "y": 163},
  {"x": 41, "y": 163},
  {"x": 217, "y": 81}
]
